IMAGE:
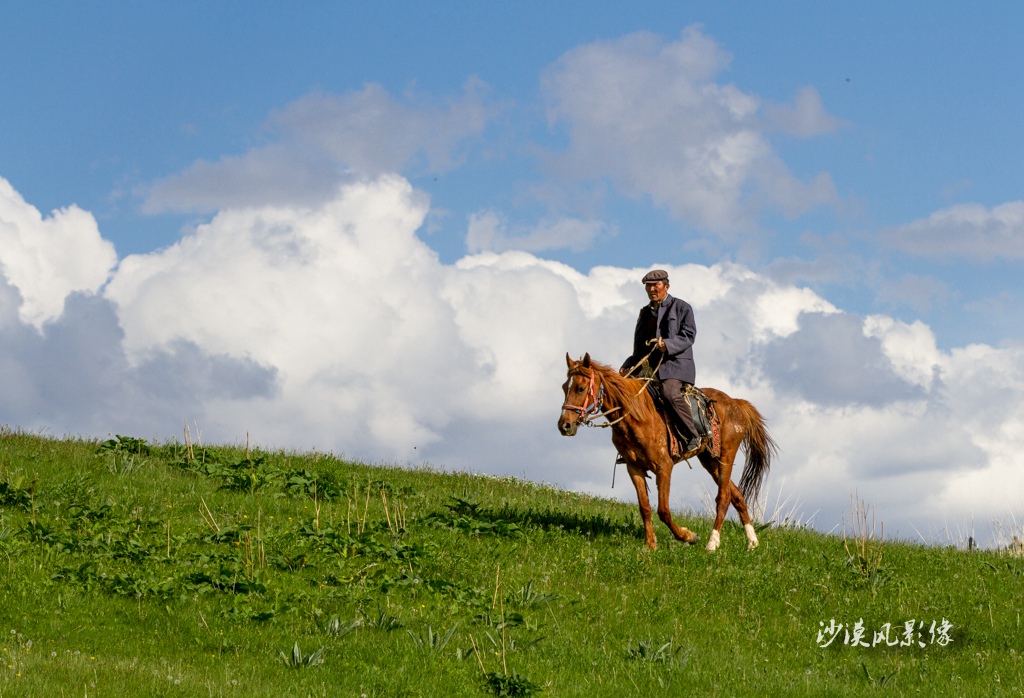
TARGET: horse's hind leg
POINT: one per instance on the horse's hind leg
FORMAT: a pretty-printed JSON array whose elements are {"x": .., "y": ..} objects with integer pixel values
[
  {"x": 740, "y": 505},
  {"x": 640, "y": 483},
  {"x": 728, "y": 493},
  {"x": 664, "y": 478},
  {"x": 722, "y": 502}
]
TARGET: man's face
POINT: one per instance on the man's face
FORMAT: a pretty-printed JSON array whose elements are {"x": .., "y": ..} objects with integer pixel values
[{"x": 657, "y": 291}]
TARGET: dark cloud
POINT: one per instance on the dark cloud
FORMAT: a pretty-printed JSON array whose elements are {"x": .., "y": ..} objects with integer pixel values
[
  {"x": 74, "y": 376},
  {"x": 830, "y": 362}
]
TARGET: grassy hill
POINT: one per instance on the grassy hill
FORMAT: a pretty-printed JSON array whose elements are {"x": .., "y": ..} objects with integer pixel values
[{"x": 135, "y": 569}]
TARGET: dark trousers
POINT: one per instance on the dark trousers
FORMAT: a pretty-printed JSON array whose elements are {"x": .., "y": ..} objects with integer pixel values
[{"x": 672, "y": 390}]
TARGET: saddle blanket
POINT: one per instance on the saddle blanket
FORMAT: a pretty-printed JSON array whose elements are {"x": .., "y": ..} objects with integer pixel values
[{"x": 705, "y": 419}]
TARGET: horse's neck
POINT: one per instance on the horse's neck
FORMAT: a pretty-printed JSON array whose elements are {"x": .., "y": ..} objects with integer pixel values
[{"x": 630, "y": 423}]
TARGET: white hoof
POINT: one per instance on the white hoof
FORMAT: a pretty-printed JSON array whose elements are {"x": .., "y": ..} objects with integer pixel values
[
  {"x": 752, "y": 541},
  {"x": 714, "y": 540}
]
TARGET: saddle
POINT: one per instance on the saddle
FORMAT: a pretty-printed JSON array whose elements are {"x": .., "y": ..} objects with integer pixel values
[{"x": 705, "y": 419}]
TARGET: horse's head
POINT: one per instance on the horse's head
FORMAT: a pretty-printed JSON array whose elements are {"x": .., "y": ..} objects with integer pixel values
[{"x": 581, "y": 395}]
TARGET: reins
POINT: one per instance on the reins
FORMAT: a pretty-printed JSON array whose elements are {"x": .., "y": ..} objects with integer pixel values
[
  {"x": 593, "y": 406},
  {"x": 607, "y": 423},
  {"x": 654, "y": 372}
]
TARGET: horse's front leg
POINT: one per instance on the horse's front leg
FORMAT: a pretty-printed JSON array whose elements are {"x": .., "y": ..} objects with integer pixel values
[
  {"x": 664, "y": 479},
  {"x": 640, "y": 483}
]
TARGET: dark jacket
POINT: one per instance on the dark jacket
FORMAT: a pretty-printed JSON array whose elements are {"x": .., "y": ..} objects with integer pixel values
[{"x": 676, "y": 326}]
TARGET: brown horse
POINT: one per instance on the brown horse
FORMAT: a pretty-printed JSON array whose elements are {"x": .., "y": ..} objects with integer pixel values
[{"x": 593, "y": 390}]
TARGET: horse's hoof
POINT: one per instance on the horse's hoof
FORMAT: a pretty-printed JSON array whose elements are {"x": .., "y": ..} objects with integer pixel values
[
  {"x": 713, "y": 542},
  {"x": 752, "y": 541}
]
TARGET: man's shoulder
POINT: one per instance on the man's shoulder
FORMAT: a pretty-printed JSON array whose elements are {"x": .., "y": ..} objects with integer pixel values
[{"x": 673, "y": 301}]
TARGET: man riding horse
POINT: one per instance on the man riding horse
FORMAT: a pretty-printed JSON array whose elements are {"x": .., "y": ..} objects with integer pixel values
[
  {"x": 665, "y": 331},
  {"x": 663, "y": 340}
]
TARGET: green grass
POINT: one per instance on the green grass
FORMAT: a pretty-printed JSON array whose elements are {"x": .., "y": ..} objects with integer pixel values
[{"x": 135, "y": 569}]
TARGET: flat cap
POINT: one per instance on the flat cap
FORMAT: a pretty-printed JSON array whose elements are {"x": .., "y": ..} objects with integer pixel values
[{"x": 653, "y": 277}]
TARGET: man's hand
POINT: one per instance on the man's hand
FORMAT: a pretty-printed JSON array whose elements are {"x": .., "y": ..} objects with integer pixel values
[
  {"x": 623, "y": 371},
  {"x": 661, "y": 344}
]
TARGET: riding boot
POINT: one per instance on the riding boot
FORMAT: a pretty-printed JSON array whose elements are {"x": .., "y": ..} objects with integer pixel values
[{"x": 674, "y": 393}]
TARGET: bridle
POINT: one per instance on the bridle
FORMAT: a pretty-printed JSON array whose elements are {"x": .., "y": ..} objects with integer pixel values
[{"x": 593, "y": 406}]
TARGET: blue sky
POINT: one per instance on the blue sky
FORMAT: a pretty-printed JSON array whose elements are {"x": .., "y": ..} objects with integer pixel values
[
  {"x": 862, "y": 162},
  {"x": 101, "y": 100}
]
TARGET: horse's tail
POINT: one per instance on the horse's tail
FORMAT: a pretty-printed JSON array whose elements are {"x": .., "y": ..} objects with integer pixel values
[{"x": 760, "y": 448}]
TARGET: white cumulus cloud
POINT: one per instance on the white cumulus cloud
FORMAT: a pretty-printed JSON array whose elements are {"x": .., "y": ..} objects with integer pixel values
[
  {"x": 321, "y": 140},
  {"x": 649, "y": 115},
  {"x": 807, "y": 117},
  {"x": 487, "y": 233},
  {"x": 973, "y": 231},
  {"x": 48, "y": 258}
]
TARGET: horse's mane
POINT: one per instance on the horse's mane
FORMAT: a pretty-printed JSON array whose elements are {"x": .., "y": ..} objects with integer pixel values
[{"x": 628, "y": 393}]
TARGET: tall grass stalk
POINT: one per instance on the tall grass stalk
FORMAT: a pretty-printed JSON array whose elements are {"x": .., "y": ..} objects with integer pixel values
[{"x": 867, "y": 540}]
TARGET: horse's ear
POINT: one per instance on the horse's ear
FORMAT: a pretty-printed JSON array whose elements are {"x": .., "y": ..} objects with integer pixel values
[
  {"x": 586, "y": 360},
  {"x": 568, "y": 360}
]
